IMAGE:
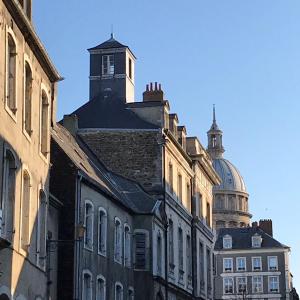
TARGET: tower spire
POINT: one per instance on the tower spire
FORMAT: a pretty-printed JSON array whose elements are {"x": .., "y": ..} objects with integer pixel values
[{"x": 214, "y": 113}]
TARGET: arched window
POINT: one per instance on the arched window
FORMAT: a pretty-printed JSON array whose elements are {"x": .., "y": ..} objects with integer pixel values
[
  {"x": 171, "y": 246},
  {"x": 87, "y": 285},
  {"x": 44, "y": 131},
  {"x": 101, "y": 288},
  {"x": 11, "y": 70},
  {"x": 159, "y": 254},
  {"x": 131, "y": 293},
  {"x": 28, "y": 99},
  {"x": 4, "y": 297},
  {"x": 118, "y": 241},
  {"x": 118, "y": 291},
  {"x": 89, "y": 224},
  {"x": 8, "y": 197},
  {"x": 25, "y": 238},
  {"x": 41, "y": 229},
  {"x": 127, "y": 246},
  {"x": 102, "y": 231}
]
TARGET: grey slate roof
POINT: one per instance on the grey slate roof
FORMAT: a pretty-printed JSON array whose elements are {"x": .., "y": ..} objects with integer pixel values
[
  {"x": 111, "y": 43},
  {"x": 242, "y": 238},
  {"x": 128, "y": 193},
  {"x": 109, "y": 112}
]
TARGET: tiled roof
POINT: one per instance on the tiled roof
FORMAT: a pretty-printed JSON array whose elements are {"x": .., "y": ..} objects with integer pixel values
[
  {"x": 242, "y": 238},
  {"x": 125, "y": 191}
]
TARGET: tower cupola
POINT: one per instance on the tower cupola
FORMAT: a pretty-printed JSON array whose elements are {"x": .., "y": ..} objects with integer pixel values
[{"x": 112, "y": 70}]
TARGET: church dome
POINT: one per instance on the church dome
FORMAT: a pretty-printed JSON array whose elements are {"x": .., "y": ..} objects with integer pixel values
[{"x": 231, "y": 179}]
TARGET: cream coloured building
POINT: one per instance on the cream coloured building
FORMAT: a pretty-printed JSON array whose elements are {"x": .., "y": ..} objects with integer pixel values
[{"x": 27, "y": 109}]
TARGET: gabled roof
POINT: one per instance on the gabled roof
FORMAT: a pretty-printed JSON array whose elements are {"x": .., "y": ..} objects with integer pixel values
[
  {"x": 242, "y": 239},
  {"x": 127, "y": 192},
  {"x": 109, "y": 112}
]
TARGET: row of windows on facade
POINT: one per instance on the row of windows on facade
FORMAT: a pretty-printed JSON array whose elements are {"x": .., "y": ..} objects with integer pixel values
[
  {"x": 108, "y": 65},
  {"x": 100, "y": 288},
  {"x": 8, "y": 204},
  {"x": 11, "y": 95},
  {"x": 241, "y": 263},
  {"x": 256, "y": 241},
  {"x": 179, "y": 193},
  {"x": 233, "y": 202},
  {"x": 257, "y": 285}
]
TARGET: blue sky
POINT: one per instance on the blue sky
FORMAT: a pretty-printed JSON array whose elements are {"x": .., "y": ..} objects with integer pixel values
[{"x": 244, "y": 56}]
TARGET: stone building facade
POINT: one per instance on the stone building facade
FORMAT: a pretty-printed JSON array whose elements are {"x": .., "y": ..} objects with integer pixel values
[
  {"x": 251, "y": 264},
  {"x": 27, "y": 109},
  {"x": 231, "y": 208}
]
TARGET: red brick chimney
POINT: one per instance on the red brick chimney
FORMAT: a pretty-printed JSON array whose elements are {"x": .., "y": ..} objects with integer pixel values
[
  {"x": 266, "y": 226},
  {"x": 153, "y": 93}
]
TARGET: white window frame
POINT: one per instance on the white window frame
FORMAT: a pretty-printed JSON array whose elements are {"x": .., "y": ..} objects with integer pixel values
[
  {"x": 44, "y": 148},
  {"x": 237, "y": 283},
  {"x": 245, "y": 264},
  {"x": 85, "y": 244},
  {"x": 127, "y": 246},
  {"x": 269, "y": 268},
  {"x": 256, "y": 241},
  {"x": 100, "y": 250},
  {"x": 100, "y": 277},
  {"x": 91, "y": 282},
  {"x": 110, "y": 68},
  {"x": 227, "y": 238},
  {"x": 118, "y": 243},
  {"x": 252, "y": 260},
  {"x": 224, "y": 268},
  {"x": 122, "y": 289},
  {"x": 261, "y": 286},
  {"x": 224, "y": 285},
  {"x": 269, "y": 284}
]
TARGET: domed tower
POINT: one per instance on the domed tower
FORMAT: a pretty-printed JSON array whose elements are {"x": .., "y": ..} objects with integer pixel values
[{"x": 230, "y": 207}]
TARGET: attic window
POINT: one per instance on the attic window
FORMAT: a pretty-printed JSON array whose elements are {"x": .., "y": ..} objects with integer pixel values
[
  {"x": 227, "y": 242},
  {"x": 256, "y": 241}
]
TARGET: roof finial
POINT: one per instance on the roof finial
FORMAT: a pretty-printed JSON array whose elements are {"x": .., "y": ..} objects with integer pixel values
[
  {"x": 112, "y": 31},
  {"x": 214, "y": 113}
]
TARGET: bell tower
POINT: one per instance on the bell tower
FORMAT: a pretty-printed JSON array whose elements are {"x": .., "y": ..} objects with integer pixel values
[
  {"x": 214, "y": 135},
  {"x": 112, "y": 70}
]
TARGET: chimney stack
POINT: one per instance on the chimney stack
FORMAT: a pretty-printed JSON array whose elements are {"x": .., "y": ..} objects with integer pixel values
[
  {"x": 254, "y": 224},
  {"x": 153, "y": 93},
  {"x": 266, "y": 226}
]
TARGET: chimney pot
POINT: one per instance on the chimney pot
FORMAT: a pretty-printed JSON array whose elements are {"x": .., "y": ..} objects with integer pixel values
[{"x": 155, "y": 94}]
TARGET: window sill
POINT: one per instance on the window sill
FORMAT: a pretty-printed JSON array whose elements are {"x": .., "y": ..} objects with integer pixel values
[
  {"x": 27, "y": 135},
  {"x": 88, "y": 248},
  {"x": 103, "y": 254},
  {"x": 11, "y": 113}
]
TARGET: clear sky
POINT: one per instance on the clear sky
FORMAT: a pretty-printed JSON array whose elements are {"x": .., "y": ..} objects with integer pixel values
[{"x": 244, "y": 56}]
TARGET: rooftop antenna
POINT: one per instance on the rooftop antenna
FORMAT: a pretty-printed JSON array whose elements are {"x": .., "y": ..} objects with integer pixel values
[{"x": 214, "y": 113}]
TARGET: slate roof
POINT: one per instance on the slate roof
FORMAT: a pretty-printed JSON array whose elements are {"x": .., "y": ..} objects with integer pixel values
[
  {"x": 127, "y": 192},
  {"x": 109, "y": 112},
  {"x": 242, "y": 238},
  {"x": 111, "y": 43}
]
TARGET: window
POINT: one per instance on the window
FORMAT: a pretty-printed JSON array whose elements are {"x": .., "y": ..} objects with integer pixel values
[
  {"x": 272, "y": 263},
  {"x": 228, "y": 285},
  {"x": 127, "y": 246},
  {"x": 179, "y": 187},
  {"x": 219, "y": 202},
  {"x": 101, "y": 288},
  {"x": 25, "y": 212},
  {"x": 208, "y": 212},
  {"x": 171, "y": 178},
  {"x": 118, "y": 291},
  {"x": 89, "y": 224},
  {"x": 227, "y": 242},
  {"x": 28, "y": 99},
  {"x": 44, "y": 131},
  {"x": 273, "y": 284},
  {"x": 256, "y": 241},
  {"x": 227, "y": 264},
  {"x": 257, "y": 284},
  {"x": 201, "y": 266},
  {"x": 188, "y": 195},
  {"x": 209, "y": 277},
  {"x": 159, "y": 254},
  {"x": 130, "y": 294},
  {"x": 180, "y": 249},
  {"x": 108, "y": 65},
  {"x": 241, "y": 264},
  {"x": 256, "y": 263},
  {"x": 241, "y": 284},
  {"x": 171, "y": 245},
  {"x": 8, "y": 196},
  {"x": 140, "y": 250},
  {"x": 41, "y": 229},
  {"x": 189, "y": 258},
  {"x": 200, "y": 205},
  {"x": 102, "y": 231},
  {"x": 11, "y": 71},
  {"x": 87, "y": 286},
  {"x": 130, "y": 68},
  {"x": 118, "y": 241},
  {"x": 231, "y": 202}
]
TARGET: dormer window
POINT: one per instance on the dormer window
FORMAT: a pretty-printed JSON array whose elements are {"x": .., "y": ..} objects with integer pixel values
[
  {"x": 108, "y": 65},
  {"x": 256, "y": 241},
  {"x": 227, "y": 242}
]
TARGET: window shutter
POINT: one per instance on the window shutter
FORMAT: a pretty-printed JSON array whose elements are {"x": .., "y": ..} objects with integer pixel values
[{"x": 140, "y": 251}]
